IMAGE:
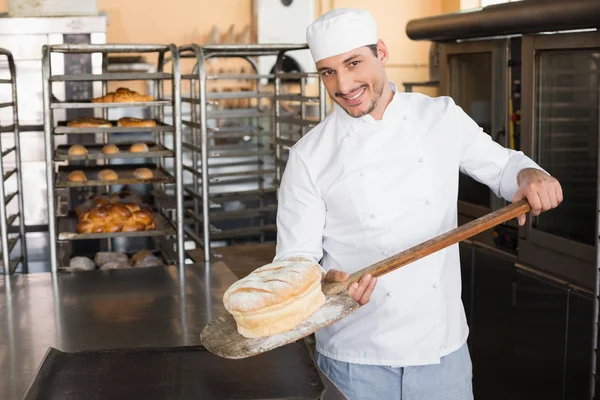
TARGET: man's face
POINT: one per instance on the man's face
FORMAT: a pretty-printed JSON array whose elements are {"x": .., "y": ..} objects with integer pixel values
[{"x": 355, "y": 79}]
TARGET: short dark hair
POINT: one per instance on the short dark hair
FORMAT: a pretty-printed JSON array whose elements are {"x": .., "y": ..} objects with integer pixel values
[{"x": 373, "y": 48}]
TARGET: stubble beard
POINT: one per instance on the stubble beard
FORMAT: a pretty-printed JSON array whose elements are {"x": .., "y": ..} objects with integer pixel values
[{"x": 378, "y": 92}]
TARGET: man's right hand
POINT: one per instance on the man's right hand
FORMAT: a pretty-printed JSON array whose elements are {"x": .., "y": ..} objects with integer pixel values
[{"x": 360, "y": 291}]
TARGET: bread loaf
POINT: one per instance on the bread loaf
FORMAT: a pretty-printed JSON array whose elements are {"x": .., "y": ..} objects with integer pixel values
[
  {"x": 110, "y": 149},
  {"x": 104, "y": 257},
  {"x": 138, "y": 148},
  {"x": 275, "y": 297},
  {"x": 107, "y": 175},
  {"x": 81, "y": 264},
  {"x": 89, "y": 122},
  {"x": 77, "y": 150},
  {"x": 115, "y": 218},
  {"x": 77, "y": 176},
  {"x": 143, "y": 173},
  {"x": 123, "y": 95},
  {"x": 128, "y": 122}
]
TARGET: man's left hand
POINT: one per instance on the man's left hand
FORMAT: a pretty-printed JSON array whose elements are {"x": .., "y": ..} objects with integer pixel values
[{"x": 542, "y": 191}]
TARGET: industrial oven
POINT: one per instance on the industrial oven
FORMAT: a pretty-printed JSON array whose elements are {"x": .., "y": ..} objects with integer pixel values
[
  {"x": 477, "y": 76},
  {"x": 560, "y": 129}
]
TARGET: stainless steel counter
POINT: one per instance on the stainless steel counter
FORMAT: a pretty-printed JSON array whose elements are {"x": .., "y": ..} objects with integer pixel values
[{"x": 150, "y": 307}]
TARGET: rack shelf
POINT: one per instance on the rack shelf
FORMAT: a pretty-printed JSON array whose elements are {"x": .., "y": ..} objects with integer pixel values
[
  {"x": 231, "y": 147},
  {"x": 165, "y": 188},
  {"x": 12, "y": 224}
]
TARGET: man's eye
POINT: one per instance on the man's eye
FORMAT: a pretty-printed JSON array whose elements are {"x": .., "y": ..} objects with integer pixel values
[
  {"x": 354, "y": 63},
  {"x": 327, "y": 73}
]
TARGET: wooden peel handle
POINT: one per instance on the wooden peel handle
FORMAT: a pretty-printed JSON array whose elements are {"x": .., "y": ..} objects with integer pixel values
[{"x": 431, "y": 246}]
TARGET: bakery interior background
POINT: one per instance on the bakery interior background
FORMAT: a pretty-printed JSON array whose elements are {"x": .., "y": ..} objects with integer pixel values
[{"x": 530, "y": 295}]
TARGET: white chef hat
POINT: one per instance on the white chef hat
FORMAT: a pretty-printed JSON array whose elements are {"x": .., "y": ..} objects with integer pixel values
[{"x": 339, "y": 31}]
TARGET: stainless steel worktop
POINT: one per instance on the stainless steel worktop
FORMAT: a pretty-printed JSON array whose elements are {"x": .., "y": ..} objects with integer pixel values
[{"x": 149, "y": 307}]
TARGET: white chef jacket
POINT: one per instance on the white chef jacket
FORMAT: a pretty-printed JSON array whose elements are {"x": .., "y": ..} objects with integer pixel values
[{"x": 357, "y": 190}]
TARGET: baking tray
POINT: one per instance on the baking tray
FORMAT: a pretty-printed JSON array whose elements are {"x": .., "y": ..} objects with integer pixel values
[
  {"x": 67, "y": 229},
  {"x": 62, "y": 128},
  {"x": 95, "y": 152},
  {"x": 89, "y": 104},
  {"x": 125, "y": 173},
  {"x": 187, "y": 372}
]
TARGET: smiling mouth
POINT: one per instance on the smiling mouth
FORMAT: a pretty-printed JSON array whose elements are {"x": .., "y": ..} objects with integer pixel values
[{"x": 354, "y": 99}]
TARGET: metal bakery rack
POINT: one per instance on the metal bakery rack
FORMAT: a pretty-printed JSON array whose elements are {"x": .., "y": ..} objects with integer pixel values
[
  {"x": 11, "y": 188},
  {"x": 163, "y": 188},
  {"x": 237, "y": 124}
]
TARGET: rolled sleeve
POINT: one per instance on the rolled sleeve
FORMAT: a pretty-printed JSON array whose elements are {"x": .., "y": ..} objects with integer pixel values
[
  {"x": 300, "y": 213},
  {"x": 487, "y": 161}
]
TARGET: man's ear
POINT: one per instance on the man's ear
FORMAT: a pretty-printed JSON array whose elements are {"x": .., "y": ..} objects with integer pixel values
[{"x": 383, "y": 53}]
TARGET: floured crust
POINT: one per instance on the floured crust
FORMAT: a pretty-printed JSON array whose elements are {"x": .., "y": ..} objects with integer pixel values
[{"x": 275, "y": 298}]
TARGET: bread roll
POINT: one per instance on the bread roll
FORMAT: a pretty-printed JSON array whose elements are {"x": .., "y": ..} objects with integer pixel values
[
  {"x": 275, "y": 297},
  {"x": 138, "y": 148},
  {"x": 110, "y": 149},
  {"x": 77, "y": 150},
  {"x": 123, "y": 95},
  {"x": 77, "y": 176},
  {"x": 107, "y": 175},
  {"x": 89, "y": 122},
  {"x": 143, "y": 173},
  {"x": 136, "y": 122}
]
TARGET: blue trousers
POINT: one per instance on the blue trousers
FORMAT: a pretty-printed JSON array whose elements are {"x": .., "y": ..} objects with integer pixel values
[{"x": 449, "y": 380}]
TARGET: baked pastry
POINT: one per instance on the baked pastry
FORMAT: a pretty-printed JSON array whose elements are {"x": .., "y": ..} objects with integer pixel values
[
  {"x": 77, "y": 176},
  {"x": 123, "y": 95},
  {"x": 116, "y": 218},
  {"x": 275, "y": 297},
  {"x": 77, "y": 150},
  {"x": 138, "y": 148},
  {"x": 130, "y": 122},
  {"x": 89, "y": 122},
  {"x": 110, "y": 149},
  {"x": 107, "y": 175},
  {"x": 143, "y": 173}
]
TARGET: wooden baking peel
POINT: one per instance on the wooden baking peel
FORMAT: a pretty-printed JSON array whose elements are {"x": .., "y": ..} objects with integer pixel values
[{"x": 221, "y": 337}]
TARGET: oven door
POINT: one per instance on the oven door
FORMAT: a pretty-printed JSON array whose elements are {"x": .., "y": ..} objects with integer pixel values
[
  {"x": 475, "y": 75},
  {"x": 560, "y": 128}
]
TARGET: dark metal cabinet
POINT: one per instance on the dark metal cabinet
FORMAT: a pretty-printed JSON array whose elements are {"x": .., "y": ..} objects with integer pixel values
[
  {"x": 491, "y": 325},
  {"x": 578, "y": 376},
  {"x": 540, "y": 333}
]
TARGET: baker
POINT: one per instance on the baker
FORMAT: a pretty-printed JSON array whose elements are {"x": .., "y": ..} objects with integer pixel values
[{"x": 377, "y": 176}]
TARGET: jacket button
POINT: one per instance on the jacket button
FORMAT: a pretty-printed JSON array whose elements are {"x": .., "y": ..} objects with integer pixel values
[
  {"x": 389, "y": 294},
  {"x": 435, "y": 286},
  {"x": 428, "y": 202},
  {"x": 385, "y": 252},
  {"x": 363, "y": 174},
  {"x": 373, "y": 216},
  {"x": 421, "y": 160}
]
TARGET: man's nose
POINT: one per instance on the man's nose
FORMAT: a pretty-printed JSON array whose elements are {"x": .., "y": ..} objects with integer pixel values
[{"x": 344, "y": 83}]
